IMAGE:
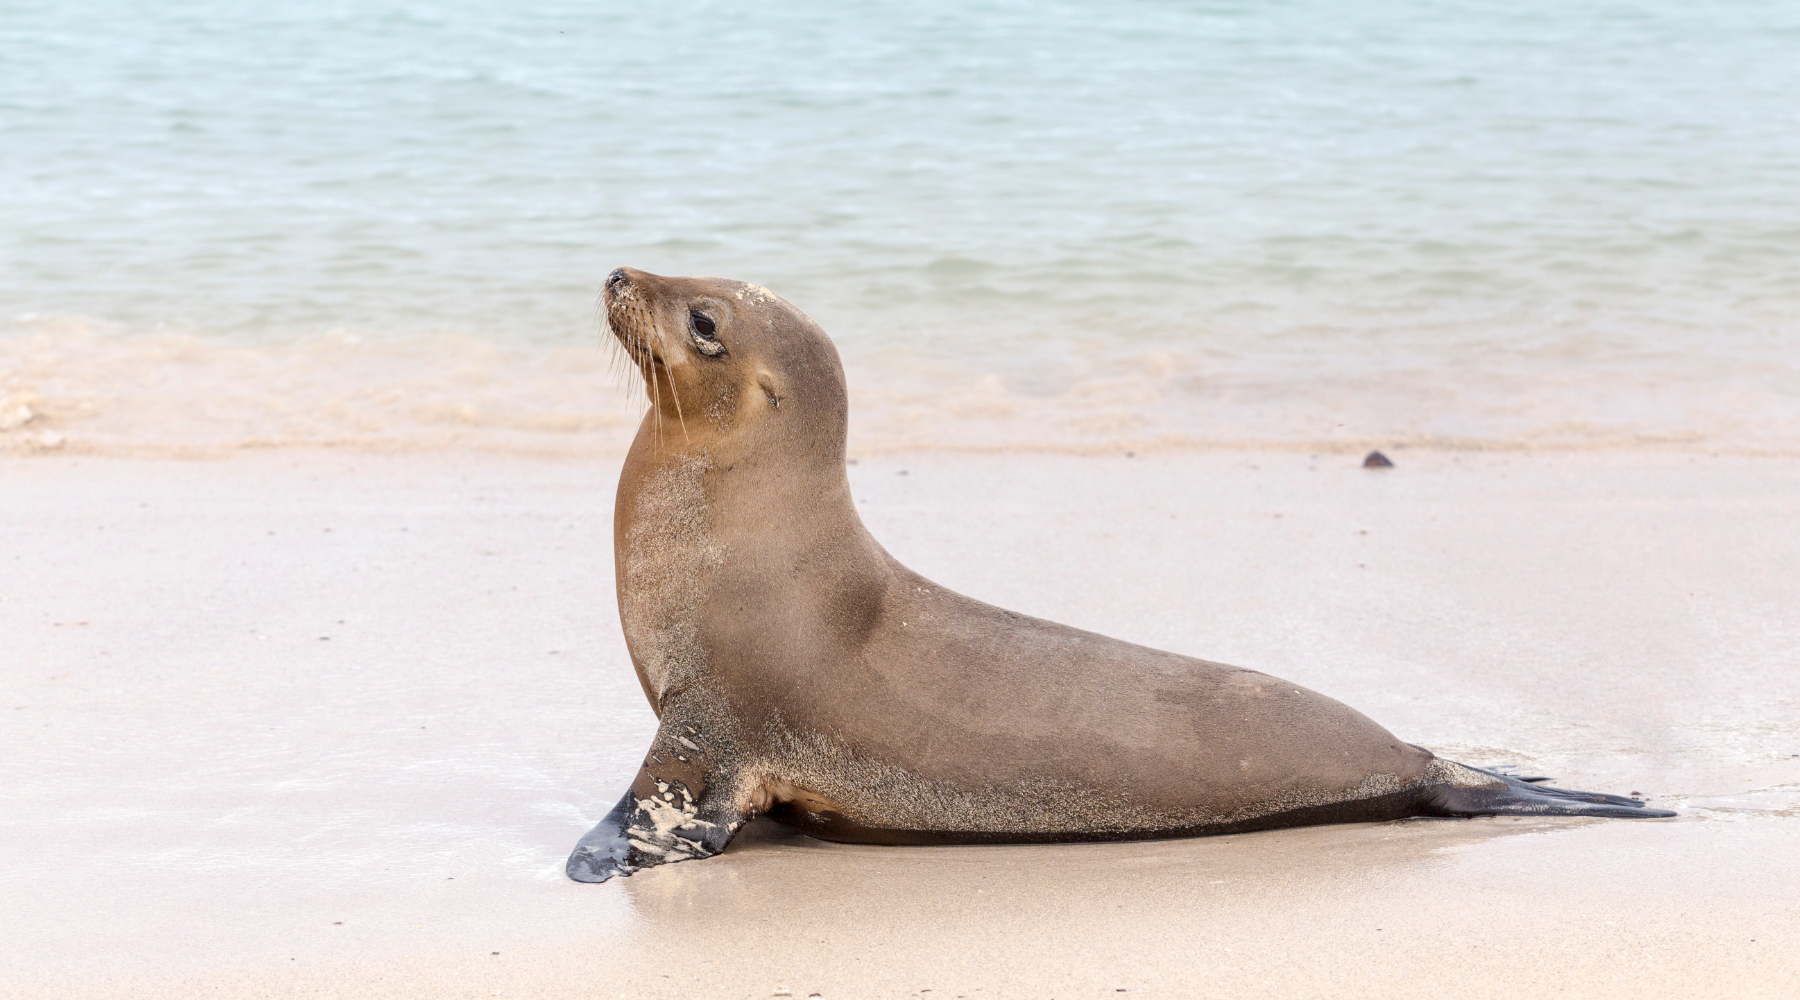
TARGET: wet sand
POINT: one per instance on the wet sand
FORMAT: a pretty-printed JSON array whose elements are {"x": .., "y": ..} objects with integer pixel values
[{"x": 324, "y": 724}]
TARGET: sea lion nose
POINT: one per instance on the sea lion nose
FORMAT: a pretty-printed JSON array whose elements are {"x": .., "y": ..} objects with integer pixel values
[{"x": 617, "y": 275}]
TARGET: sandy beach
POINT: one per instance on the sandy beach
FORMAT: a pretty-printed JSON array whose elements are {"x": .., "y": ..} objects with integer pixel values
[
  {"x": 316, "y": 723},
  {"x": 313, "y": 400}
]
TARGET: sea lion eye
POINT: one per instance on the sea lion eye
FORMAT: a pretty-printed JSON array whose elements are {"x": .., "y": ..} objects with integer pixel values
[{"x": 706, "y": 339}]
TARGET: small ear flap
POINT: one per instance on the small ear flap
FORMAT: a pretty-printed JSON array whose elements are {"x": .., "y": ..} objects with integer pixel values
[{"x": 767, "y": 382}]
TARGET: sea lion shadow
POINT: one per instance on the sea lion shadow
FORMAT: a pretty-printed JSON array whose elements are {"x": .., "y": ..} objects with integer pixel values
[{"x": 771, "y": 866}]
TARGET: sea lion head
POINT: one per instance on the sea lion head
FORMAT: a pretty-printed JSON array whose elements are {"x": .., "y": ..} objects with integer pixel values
[{"x": 726, "y": 360}]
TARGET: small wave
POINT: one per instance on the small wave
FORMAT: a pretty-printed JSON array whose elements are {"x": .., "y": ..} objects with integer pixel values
[
  {"x": 77, "y": 385},
  {"x": 70, "y": 384}
]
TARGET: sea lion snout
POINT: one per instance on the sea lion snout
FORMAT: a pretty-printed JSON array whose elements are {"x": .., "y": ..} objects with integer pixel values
[
  {"x": 630, "y": 314},
  {"x": 623, "y": 284},
  {"x": 621, "y": 276}
]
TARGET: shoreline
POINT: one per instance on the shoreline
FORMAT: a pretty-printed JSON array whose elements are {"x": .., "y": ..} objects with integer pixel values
[
  {"x": 46, "y": 443},
  {"x": 74, "y": 387}
]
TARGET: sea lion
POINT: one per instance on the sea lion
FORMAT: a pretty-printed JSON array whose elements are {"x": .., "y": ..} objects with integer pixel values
[{"x": 801, "y": 672}]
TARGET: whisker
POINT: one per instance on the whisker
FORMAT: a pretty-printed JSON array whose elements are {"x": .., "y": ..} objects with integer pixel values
[
  {"x": 675, "y": 397},
  {"x": 619, "y": 358},
  {"x": 655, "y": 390}
]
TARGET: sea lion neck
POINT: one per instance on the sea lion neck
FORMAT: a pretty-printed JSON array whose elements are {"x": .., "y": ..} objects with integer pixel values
[
  {"x": 747, "y": 489},
  {"x": 699, "y": 525},
  {"x": 764, "y": 431}
]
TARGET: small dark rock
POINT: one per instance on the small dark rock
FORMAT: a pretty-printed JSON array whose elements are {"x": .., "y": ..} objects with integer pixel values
[{"x": 1376, "y": 460}]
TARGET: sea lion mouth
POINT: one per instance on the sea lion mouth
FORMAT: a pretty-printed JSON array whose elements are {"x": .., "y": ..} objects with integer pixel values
[
  {"x": 631, "y": 315},
  {"x": 629, "y": 318}
]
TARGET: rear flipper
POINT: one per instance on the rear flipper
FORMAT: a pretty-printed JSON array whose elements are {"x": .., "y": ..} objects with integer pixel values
[
  {"x": 1473, "y": 791},
  {"x": 671, "y": 813}
]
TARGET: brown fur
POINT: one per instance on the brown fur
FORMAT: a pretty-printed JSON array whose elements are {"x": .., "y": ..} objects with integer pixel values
[
  {"x": 828, "y": 677},
  {"x": 801, "y": 672}
]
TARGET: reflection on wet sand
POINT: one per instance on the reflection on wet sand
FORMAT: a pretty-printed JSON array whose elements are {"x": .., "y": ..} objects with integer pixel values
[
  {"x": 774, "y": 868},
  {"x": 1352, "y": 909}
]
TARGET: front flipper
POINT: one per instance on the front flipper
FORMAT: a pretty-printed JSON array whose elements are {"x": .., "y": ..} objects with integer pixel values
[{"x": 670, "y": 814}]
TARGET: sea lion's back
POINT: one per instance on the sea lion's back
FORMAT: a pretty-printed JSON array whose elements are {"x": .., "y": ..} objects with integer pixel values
[{"x": 1014, "y": 714}]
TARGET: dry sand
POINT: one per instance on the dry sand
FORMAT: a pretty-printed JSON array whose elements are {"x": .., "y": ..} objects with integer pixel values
[{"x": 317, "y": 724}]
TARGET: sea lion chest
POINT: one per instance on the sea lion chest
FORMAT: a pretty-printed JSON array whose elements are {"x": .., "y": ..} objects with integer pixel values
[{"x": 664, "y": 549}]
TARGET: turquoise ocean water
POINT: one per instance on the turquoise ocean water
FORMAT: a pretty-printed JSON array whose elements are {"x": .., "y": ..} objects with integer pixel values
[{"x": 1070, "y": 225}]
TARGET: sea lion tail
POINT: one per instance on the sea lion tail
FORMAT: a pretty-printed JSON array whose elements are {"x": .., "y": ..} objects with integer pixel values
[{"x": 1474, "y": 791}]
